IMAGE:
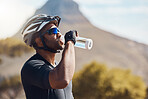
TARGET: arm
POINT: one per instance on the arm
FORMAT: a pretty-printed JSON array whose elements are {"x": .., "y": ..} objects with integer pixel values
[{"x": 61, "y": 76}]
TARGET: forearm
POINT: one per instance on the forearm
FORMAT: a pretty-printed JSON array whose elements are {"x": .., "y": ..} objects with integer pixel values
[
  {"x": 68, "y": 61},
  {"x": 64, "y": 72}
]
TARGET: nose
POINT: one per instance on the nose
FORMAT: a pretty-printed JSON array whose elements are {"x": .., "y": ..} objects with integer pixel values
[{"x": 59, "y": 34}]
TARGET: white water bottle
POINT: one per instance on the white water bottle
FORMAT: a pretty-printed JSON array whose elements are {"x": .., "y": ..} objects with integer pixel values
[{"x": 81, "y": 42}]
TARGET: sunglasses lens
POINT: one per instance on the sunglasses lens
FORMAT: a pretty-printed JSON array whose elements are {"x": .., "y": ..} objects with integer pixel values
[{"x": 53, "y": 31}]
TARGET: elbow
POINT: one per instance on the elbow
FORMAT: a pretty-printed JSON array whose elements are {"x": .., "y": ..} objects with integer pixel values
[
  {"x": 61, "y": 84},
  {"x": 64, "y": 83},
  {"x": 58, "y": 82}
]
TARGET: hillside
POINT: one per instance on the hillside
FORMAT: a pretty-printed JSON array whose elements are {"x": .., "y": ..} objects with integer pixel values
[{"x": 108, "y": 48}]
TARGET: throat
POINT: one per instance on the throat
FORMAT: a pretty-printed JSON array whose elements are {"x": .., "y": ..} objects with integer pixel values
[
  {"x": 50, "y": 57},
  {"x": 51, "y": 60}
]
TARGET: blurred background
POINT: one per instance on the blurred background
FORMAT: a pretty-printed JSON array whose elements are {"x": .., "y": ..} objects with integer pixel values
[{"x": 115, "y": 68}]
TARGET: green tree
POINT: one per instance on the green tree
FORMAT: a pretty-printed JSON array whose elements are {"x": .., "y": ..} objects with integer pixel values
[
  {"x": 13, "y": 47},
  {"x": 10, "y": 87},
  {"x": 96, "y": 81},
  {"x": 9, "y": 82}
]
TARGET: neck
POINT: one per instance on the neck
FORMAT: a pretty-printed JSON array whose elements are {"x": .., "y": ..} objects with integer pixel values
[{"x": 49, "y": 56}]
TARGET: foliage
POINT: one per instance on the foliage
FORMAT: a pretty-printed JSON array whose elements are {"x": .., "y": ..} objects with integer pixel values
[
  {"x": 96, "y": 81},
  {"x": 10, "y": 87},
  {"x": 13, "y": 81},
  {"x": 13, "y": 47},
  {"x": 0, "y": 60}
]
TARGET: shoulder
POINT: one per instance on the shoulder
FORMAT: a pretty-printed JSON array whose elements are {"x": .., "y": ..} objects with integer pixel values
[
  {"x": 33, "y": 67},
  {"x": 34, "y": 61},
  {"x": 32, "y": 64}
]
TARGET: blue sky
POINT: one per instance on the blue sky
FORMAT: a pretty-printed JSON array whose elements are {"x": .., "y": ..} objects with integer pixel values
[{"x": 127, "y": 18}]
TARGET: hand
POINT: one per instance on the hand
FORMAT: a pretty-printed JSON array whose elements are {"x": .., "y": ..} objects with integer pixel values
[{"x": 71, "y": 36}]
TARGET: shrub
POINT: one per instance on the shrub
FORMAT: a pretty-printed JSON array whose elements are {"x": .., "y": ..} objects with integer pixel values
[
  {"x": 0, "y": 60},
  {"x": 96, "y": 81},
  {"x": 13, "y": 47},
  {"x": 9, "y": 82},
  {"x": 10, "y": 87}
]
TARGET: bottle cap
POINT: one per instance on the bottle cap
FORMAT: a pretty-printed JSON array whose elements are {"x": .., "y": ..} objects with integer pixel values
[{"x": 89, "y": 44}]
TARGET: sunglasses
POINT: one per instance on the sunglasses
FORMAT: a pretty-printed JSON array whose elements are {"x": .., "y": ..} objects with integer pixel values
[{"x": 53, "y": 31}]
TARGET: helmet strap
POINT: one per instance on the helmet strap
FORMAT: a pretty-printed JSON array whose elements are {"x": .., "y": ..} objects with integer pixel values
[{"x": 45, "y": 47}]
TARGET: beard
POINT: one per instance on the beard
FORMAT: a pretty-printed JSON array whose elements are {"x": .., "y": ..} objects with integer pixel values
[
  {"x": 54, "y": 44},
  {"x": 60, "y": 44}
]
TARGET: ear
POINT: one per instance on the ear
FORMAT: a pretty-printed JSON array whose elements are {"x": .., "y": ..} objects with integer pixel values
[{"x": 39, "y": 42}]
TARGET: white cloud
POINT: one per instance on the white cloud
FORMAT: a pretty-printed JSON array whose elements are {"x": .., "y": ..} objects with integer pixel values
[
  {"x": 13, "y": 14},
  {"x": 139, "y": 9},
  {"x": 94, "y": 2},
  {"x": 117, "y": 10},
  {"x": 128, "y": 18},
  {"x": 124, "y": 10},
  {"x": 107, "y": 1},
  {"x": 34, "y": 3}
]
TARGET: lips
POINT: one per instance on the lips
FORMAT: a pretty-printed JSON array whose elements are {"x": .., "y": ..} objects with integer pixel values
[
  {"x": 61, "y": 42},
  {"x": 61, "y": 39}
]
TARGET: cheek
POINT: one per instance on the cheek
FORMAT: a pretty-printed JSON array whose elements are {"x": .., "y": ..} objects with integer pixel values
[
  {"x": 50, "y": 37},
  {"x": 50, "y": 40}
]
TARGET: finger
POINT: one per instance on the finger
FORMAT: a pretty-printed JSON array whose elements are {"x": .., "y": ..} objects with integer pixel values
[{"x": 77, "y": 34}]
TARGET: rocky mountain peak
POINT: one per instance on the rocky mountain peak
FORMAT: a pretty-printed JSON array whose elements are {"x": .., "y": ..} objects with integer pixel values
[{"x": 68, "y": 10}]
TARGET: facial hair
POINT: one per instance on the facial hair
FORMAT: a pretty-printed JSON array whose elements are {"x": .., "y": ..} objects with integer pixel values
[{"x": 60, "y": 44}]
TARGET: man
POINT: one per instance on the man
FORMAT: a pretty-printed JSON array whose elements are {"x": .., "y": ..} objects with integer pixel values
[{"x": 42, "y": 77}]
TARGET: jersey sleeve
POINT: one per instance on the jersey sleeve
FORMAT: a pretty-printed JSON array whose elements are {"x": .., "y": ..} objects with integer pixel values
[{"x": 36, "y": 73}]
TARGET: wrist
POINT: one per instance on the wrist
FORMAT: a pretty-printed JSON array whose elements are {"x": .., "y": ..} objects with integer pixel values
[{"x": 70, "y": 43}]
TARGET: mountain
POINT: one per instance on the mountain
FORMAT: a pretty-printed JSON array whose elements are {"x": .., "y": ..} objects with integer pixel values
[
  {"x": 66, "y": 9},
  {"x": 108, "y": 48}
]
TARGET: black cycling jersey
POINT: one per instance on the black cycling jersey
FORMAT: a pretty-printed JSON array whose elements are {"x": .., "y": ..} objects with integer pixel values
[{"x": 35, "y": 80}]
